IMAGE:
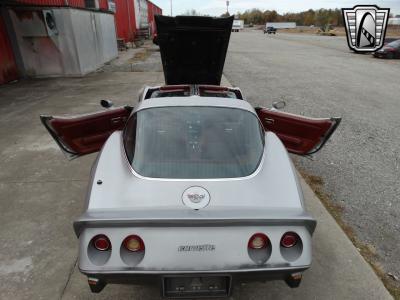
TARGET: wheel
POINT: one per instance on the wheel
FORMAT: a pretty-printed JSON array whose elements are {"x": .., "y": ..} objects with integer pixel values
[
  {"x": 293, "y": 283},
  {"x": 390, "y": 56},
  {"x": 274, "y": 32},
  {"x": 96, "y": 286}
]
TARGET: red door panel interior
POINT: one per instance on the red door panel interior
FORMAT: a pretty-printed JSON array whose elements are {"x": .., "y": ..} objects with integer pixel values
[
  {"x": 87, "y": 133},
  {"x": 300, "y": 135}
]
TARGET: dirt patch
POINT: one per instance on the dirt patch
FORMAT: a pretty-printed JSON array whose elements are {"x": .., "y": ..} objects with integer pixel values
[
  {"x": 339, "y": 31},
  {"x": 142, "y": 56},
  {"x": 368, "y": 251},
  {"x": 393, "y": 31}
]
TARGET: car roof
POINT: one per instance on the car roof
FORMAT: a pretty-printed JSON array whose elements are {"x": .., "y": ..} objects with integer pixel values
[{"x": 195, "y": 101}]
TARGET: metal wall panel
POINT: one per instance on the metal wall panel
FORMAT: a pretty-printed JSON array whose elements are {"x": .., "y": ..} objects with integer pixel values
[
  {"x": 125, "y": 19},
  {"x": 150, "y": 16},
  {"x": 141, "y": 8},
  {"x": 85, "y": 41},
  {"x": 72, "y": 3},
  {"x": 8, "y": 67},
  {"x": 152, "y": 11},
  {"x": 103, "y": 5}
]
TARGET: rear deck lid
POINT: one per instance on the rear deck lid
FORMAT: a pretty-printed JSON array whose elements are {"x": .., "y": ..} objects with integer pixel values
[{"x": 193, "y": 49}]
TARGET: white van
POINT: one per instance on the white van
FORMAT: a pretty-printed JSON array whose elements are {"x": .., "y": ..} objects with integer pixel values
[{"x": 237, "y": 25}]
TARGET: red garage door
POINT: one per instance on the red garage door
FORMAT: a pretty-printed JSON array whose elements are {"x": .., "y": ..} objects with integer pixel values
[{"x": 8, "y": 68}]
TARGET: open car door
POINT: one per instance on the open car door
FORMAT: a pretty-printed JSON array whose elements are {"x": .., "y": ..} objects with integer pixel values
[
  {"x": 84, "y": 134},
  {"x": 300, "y": 135}
]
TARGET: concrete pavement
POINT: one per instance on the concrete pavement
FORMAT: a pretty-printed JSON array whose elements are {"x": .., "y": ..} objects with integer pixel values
[
  {"x": 41, "y": 193},
  {"x": 318, "y": 76}
]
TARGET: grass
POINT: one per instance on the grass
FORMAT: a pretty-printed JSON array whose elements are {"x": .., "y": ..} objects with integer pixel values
[{"x": 366, "y": 250}]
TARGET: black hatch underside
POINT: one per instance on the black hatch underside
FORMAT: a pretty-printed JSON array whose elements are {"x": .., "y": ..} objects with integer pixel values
[{"x": 193, "y": 49}]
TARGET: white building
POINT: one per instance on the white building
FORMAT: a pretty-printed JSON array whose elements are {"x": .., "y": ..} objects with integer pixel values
[
  {"x": 394, "y": 21},
  {"x": 283, "y": 25}
]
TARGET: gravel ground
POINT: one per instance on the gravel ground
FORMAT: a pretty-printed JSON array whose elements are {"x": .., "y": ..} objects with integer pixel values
[{"x": 320, "y": 77}]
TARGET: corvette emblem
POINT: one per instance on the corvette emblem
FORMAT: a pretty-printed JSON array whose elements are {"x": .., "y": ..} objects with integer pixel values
[
  {"x": 365, "y": 27},
  {"x": 196, "y": 197},
  {"x": 196, "y": 248}
]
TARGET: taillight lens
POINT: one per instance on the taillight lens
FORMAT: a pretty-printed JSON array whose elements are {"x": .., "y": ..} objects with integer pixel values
[
  {"x": 133, "y": 243},
  {"x": 101, "y": 242},
  {"x": 258, "y": 241},
  {"x": 289, "y": 239}
]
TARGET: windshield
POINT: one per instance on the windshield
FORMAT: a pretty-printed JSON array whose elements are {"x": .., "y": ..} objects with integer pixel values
[{"x": 194, "y": 142}]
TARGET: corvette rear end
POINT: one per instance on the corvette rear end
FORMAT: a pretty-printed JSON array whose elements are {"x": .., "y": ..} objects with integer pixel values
[
  {"x": 193, "y": 189},
  {"x": 187, "y": 260},
  {"x": 194, "y": 237}
]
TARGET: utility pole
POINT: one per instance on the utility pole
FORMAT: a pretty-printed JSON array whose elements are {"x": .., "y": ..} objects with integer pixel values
[
  {"x": 171, "y": 7},
  {"x": 227, "y": 6}
]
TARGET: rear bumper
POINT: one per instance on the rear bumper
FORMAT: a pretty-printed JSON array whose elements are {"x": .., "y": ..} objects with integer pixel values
[
  {"x": 97, "y": 281},
  {"x": 151, "y": 278}
]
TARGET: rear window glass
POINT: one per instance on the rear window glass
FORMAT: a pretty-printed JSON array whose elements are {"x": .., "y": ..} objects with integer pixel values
[{"x": 194, "y": 142}]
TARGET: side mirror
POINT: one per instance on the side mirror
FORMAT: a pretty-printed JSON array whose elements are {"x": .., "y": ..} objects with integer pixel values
[
  {"x": 279, "y": 104},
  {"x": 106, "y": 103}
]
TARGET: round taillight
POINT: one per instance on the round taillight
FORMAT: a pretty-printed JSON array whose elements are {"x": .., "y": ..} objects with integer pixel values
[
  {"x": 258, "y": 241},
  {"x": 101, "y": 242},
  {"x": 133, "y": 243},
  {"x": 289, "y": 239}
]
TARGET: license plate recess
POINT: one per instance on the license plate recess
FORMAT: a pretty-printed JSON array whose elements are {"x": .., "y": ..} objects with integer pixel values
[{"x": 196, "y": 286}]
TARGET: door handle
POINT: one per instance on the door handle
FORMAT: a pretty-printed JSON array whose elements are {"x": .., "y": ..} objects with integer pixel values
[
  {"x": 269, "y": 121},
  {"x": 117, "y": 120}
]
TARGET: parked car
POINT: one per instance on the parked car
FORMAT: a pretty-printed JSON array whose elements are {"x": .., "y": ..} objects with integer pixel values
[
  {"x": 270, "y": 30},
  {"x": 390, "y": 50},
  {"x": 193, "y": 189}
]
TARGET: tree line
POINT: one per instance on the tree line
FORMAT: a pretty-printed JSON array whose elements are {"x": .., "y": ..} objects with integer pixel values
[{"x": 319, "y": 17}]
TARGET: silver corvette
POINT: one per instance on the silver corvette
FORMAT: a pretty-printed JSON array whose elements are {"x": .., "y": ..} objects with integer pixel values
[{"x": 193, "y": 189}]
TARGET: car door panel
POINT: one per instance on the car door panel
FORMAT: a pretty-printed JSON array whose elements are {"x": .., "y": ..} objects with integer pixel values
[
  {"x": 85, "y": 134},
  {"x": 300, "y": 135}
]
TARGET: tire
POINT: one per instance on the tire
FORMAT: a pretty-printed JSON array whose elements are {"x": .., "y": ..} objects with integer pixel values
[
  {"x": 293, "y": 283},
  {"x": 389, "y": 56}
]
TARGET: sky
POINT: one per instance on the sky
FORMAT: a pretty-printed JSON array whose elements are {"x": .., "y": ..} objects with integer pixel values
[{"x": 218, "y": 7}]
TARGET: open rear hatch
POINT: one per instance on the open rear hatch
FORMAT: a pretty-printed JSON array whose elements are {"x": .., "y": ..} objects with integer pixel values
[{"x": 193, "y": 49}]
